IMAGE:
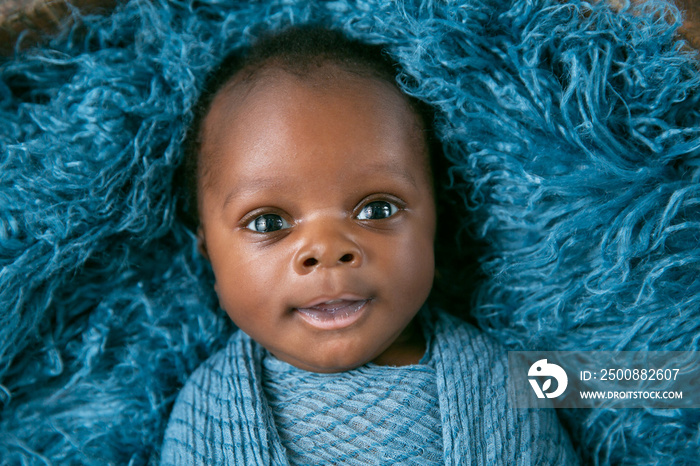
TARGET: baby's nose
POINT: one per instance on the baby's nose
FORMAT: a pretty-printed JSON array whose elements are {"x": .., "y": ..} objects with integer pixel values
[
  {"x": 347, "y": 258},
  {"x": 327, "y": 245}
]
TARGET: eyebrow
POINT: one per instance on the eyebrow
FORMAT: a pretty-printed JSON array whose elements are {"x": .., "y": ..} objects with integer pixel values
[
  {"x": 393, "y": 170},
  {"x": 258, "y": 184},
  {"x": 251, "y": 186}
]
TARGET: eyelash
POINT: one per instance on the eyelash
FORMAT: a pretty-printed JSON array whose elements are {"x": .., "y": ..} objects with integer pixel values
[{"x": 256, "y": 218}]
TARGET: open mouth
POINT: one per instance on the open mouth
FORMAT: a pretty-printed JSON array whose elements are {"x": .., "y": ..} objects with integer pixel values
[{"x": 335, "y": 314}]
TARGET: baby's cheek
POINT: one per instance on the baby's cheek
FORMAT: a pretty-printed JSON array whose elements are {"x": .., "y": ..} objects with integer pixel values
[
  {"x": 253, "y": 292},
  {"x": 416, "y": 268},
  {"x": 232, "y": 290}
]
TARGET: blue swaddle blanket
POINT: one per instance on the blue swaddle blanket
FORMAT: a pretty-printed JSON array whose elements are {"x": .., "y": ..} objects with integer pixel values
[
  {"x": 370, "y": 415},
  {"x": 222, "y": 415}
]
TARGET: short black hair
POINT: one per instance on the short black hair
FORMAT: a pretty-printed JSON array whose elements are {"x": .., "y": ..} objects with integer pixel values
[{"x": 297, "y": 50}]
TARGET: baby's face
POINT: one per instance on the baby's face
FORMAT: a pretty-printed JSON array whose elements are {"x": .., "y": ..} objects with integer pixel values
[{"x": 318, "y": 217}]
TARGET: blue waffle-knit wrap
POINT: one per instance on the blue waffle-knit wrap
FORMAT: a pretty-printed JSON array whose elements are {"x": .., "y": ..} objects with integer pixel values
[{"x": 230, "y": 413}]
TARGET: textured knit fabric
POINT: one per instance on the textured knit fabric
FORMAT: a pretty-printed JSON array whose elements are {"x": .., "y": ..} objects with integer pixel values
[
  {"x": 222, "y": 416},
  {"x": 369, "y": 415}
]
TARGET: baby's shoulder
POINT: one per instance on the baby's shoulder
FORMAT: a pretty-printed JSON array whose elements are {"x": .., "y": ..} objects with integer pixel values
[
  {"x": 464, "y": 347},
  {"x": 222, "y": 364},
  {"x": 454, "y": 331},
  {"x": 208, "y": 387},
  {"x": 202, "y": 412}
]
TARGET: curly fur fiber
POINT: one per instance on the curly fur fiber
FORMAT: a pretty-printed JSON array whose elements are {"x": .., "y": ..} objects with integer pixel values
[{"x": 574, "y": 134}]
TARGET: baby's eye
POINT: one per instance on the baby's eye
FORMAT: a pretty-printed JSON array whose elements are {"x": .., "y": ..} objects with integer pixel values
[
  {"x": 268, "y": 223},
  {"x": 377, "y": 210}
]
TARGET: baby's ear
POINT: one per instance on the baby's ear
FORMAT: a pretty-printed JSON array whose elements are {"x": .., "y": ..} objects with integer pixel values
[{"x": 201, "y": 243}]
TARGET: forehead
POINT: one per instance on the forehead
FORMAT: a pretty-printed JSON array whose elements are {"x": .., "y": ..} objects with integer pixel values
[{"x": 253, "y": 108}]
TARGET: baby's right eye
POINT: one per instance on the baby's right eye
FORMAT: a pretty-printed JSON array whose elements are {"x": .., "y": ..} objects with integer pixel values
[{"x": 267, "y": 223}]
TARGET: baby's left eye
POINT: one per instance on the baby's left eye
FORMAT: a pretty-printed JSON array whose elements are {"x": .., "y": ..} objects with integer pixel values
[
  {"x": 377, "y": 210},
  {"x": 268, "y": 223}
]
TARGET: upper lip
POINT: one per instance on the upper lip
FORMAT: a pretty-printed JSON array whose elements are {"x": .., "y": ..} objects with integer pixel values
[{"x": 328, "y": 299}]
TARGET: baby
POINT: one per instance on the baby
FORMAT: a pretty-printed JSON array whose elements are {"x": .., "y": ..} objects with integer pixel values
[{"x": 314, "y": 201}]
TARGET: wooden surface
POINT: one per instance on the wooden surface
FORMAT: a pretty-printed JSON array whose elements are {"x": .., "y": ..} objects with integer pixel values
[
  {"x": 691, "y": 26},
  {"x": 690, "y": 31},
  {"x": 32, "y": 19}
]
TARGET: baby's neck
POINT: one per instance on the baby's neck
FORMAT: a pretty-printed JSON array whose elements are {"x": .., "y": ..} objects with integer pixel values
[{"x": 408, "y": 348}]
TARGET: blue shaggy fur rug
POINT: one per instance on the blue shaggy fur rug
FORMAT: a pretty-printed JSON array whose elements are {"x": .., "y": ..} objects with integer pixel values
[{"x": 573, "y": 134}]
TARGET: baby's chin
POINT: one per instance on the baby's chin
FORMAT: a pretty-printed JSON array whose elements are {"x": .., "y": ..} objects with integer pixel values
[
  {"x": 325, "y": 365},
  {"x": 401, "y": 353}
]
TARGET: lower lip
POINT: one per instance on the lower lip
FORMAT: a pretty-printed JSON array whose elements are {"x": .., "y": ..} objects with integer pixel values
[{"x": 336, "y": 317}]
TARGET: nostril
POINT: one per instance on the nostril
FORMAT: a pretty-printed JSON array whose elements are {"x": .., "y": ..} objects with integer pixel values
[
  {"x": 310, "y": 262},
  {"x": 347, "y": 258}
]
